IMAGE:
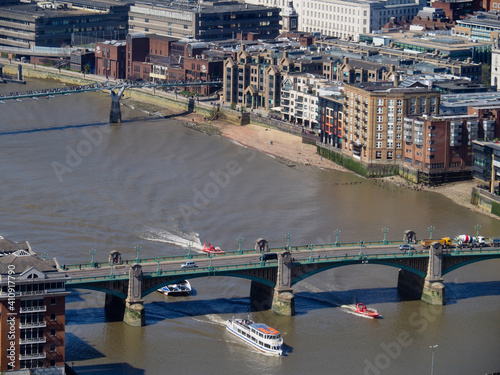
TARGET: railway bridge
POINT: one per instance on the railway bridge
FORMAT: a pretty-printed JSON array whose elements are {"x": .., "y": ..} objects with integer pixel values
[{"x": 126, "y": 282}]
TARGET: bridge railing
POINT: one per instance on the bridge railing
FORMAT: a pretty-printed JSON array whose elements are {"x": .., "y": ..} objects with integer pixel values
[
  {"x": 191, "y": 256},
  {"x": 212, "y": 270}
]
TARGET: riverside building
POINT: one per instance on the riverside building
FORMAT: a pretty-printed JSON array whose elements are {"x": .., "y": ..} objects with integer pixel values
[{"x": 32, "y": 314}]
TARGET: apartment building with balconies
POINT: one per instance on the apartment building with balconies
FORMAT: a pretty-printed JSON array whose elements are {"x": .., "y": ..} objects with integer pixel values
[
  {"x": 32, "y": 314},
  {"x": 373, "y": 118}
]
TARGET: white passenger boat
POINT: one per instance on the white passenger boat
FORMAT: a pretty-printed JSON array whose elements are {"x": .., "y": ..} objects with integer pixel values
[
  {"x": 259, "y": 335},
  {"x": 182, "y": 288}
]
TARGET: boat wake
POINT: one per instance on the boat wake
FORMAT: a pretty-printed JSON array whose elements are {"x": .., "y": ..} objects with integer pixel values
[{"x": 183, "y": 240}]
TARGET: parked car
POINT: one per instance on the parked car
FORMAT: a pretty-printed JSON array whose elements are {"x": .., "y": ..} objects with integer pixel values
[
  {"x": 189, "y": 264},
  {"x": 406, "y": 247}
]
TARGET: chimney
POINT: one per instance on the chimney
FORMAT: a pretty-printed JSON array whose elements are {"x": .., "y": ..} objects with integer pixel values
[{"x": 396, "y": 79}]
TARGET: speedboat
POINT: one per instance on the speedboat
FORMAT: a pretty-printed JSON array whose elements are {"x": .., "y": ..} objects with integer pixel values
[
  {"x": 180, "y": 289},
  {"x": 361, "y": 309},
  {"x": 259, "y": 335},
  {"x": 208, "y": 248}
]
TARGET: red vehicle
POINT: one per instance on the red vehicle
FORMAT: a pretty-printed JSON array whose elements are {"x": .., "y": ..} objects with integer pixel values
[
  {"x": 208, "y": 248},
  {"x": 363, "y": 310}
]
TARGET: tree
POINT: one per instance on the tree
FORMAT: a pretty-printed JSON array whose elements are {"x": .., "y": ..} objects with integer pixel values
[
  {"x": 86, "y": 69},
  {"x": 486, "y": 74}
]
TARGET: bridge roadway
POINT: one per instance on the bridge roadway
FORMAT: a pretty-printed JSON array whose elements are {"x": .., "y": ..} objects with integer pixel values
[{"x": 219, "y": 261}]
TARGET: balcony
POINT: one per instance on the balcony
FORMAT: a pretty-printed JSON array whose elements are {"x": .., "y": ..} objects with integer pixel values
[
  {"x": 34, "y": 340},
  {"x": 33, "y": 325},
  {"x": 32, "y": 356},
  {"x": 33, "y": 309}
]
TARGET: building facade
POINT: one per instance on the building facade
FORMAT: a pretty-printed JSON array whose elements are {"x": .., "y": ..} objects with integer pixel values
[
  {"x": 25, "y": 26},
  {"x": 110, "y": 59},
  {"x": 205, "y": 21},
  {"x": 32, "y": 314},
  {"x": 373, "y": 118},
  {"x": 331, "y": 111},
  {"x": 347, "y": 19}
]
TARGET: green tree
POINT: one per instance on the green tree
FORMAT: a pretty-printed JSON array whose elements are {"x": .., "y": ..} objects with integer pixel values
[{"x": 486, "y": 74}]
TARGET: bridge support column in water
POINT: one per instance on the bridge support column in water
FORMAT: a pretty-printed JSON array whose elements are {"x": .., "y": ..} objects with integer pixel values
[
  {"x": 114, "y": 308},
  {"x": 115, "y": 114},
  {"x": 429, "y": 289},
  {"x": 135, "y": 314},
  {"x": 279, "y": 299}
]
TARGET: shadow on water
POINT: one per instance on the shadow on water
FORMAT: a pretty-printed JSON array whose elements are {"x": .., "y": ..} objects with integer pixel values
[
  {"x": 79, "y": 350},
  {"x": 79, "y": 126},
  {"x": 112, "y": 368},
  {"x": 158, "y": 311}
]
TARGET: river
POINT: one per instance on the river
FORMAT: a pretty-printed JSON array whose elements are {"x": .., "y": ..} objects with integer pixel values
[{"x": 71, "y": 183}]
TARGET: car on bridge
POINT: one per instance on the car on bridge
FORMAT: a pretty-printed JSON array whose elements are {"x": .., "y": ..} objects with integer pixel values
[
  {"x": 406, "y": 247},
  {"x": 189, "y": 264}
]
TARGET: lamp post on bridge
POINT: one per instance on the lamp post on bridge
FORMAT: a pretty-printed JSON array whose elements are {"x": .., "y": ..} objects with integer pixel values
[
  {"x": 432, "y": 360},
  {"x": 189, "y": 251},
  {"x": 158, "y": 259},
  {"x": 240, "y": 239},
  {"x": 138, "y": 249},
  {"x": 360, "y": 248},
  {"x": 431, "y": 228},
  {"x": 477, "y": 227},
  {"x": 385, "y": 230},
  {"x": 337, "y": 232},
  {"x": 311, "y": 253},
  {"x": 111, "y": 274},
  {"x": 92, "y": 252},
  {"x": 287, "y": 236}
]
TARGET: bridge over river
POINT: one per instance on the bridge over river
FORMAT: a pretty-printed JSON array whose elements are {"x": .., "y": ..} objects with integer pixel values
[
  {"x": 126, "y": 282},
  {"x": 115, "y": 112}
]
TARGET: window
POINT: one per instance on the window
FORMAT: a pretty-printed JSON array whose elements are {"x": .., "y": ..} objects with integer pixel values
[
  {"x": 378, "y": 144},
  {"x": 52, "y": 332},
  {"x": 379, "y": 118},
  {"x": 398, "y": 145},
  {"x": 378, "y": 155},
  {"x": 389, "y": 154},
  {"x": 379, "y": 127},
  {"x": 52, "y": 301},
  {"x": 380, "y": 101},
  {"x": 379, "y": 135},
  {"x": 52, "y": 347},
  {"x": 400, "y": 102},
  {"x": 52, "y": 317},
  {"x": 380, "y": 110}
]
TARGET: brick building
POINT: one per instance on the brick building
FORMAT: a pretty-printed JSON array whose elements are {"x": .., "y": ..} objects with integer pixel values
[
  {"x": 110, "y": 59},
  {"x": 373, "y": 118},
  {"x": 32, "y": 313}
]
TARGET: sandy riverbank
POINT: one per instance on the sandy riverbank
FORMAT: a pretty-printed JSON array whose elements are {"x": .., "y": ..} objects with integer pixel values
[{"x": 290, "y": 147}]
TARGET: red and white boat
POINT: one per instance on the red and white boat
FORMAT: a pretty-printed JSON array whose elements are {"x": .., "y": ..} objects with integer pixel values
[
  {"x": 361, "y": 309},
  {"x": 208, "y": 248}
]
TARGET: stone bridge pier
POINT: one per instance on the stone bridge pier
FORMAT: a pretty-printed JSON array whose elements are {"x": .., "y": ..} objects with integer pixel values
[
  {"x": 280, "y": 298},
  {"x": 130, "y": 310},
  {"x": 431, "y": 288}
]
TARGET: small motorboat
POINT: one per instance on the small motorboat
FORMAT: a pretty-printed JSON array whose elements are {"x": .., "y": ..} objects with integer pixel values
[
  {"x": 208, "y": 248},
  {"x": 180, "y": 289},
  {"x": 365, "y": 311}
]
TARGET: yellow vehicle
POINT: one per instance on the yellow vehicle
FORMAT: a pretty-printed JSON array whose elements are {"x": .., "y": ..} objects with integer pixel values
[{"x": 445, "y": 241}]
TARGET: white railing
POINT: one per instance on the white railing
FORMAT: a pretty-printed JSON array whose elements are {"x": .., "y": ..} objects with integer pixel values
[
  {"x": 33, "y": 325},
  {"x": 32, "y": 356},
  {"x": 34, "y": 340},
  {"x": 33, "y": 309}
]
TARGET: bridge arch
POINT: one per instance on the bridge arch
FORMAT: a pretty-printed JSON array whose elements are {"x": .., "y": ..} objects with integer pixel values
[
  {"x": 465, "y": 261},
  {"x": 174, "y": 280},
  {"x": 324, "y": 267}
]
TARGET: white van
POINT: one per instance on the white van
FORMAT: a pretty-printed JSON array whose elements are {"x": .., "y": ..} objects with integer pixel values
[{"x": 189, "y": 264}]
